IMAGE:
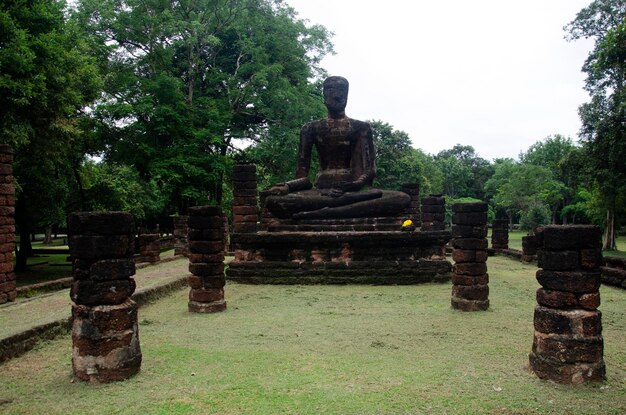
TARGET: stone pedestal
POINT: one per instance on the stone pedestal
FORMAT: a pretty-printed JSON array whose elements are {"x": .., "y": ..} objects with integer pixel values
[
  {"x": 433, "y": 213},
  {"x": 529, "y": 248},
  {"x": 413, "y": 211},
  {"x": 149, "y": 248},
  {"x": 8, "y": 290},
  {"x": 568, "y": 343},
  {"x": 206, "y": 259},
  {"x": 181, "y": 245},
  {"x": 470, "y": 289},
  {"x": 335, "y": 256},
  {"x": 105, "y": 333},
  {"x": 500, "y": 234},
  {"x": 245, "y": 213}
]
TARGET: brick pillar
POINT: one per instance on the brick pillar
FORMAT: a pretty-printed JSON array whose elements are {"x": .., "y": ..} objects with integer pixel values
[
  {"x": 245, "y": 215},
  {"x": 470, "y": 289},
  {"x": 413, "y": 211},
  {"x": 529, "y": 248},
  {"x": 181, "y": 246},
  {"x": 500, "y": 234},
  {"x": 105, "y": 333},
  {"x": 149, "y": 247},
  {"x": 8, "y": 290},
  {"x": 568, "y": 344},
  {"x": 206, "y": 259},
  {"x": 433, "y": 213}
]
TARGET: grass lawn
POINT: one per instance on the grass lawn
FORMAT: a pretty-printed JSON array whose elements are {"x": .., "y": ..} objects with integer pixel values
[{"x": 331, "y": 350}]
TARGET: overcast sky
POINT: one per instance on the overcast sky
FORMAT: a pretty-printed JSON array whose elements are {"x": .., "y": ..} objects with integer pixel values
[{"x": 494, "y": 74}]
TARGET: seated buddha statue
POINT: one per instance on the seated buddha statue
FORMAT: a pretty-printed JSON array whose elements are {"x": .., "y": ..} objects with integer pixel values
[{"x": 343, "y": 185}]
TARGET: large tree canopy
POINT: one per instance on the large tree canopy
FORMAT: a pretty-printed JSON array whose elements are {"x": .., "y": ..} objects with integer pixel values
[
  {"x": 604, "y": 117},
  {"x": 186, "y": 79}
]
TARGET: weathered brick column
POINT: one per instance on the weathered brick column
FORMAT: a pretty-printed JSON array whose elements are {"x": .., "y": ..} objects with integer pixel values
[
  {"x": 181, "y": 245},
  {"x": 7, "y": 225},
  {"x": 104, "y": 330},
  {"x": 413, "y": 211},
  {"x": 568, "y": 343},
  {"x": 433, "y": 213},
  {"x": 149, "y": 247},
  {"x": 470, "y": 289},
  {"x": 206, "y": 259},
  {"x": 245, "y": 215},
  {"x": 500, "y": 234},
  {"x": 529, "y": 248}
]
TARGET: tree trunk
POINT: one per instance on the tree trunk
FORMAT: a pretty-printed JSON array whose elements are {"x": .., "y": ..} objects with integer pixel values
[
  {"x": 26, "y": 248},
  {"x": 47, "y": 239},
  {"x": 608, "y": 243}
]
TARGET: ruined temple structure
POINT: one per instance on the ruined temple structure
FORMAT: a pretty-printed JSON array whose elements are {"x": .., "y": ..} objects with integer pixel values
[
  {"x": 337, "y": 228},
  {"x": 500, "y": 234},
  {"x": 529, "y": 248},
  {"x": 181, "y": 245},
  {"x": 245, "y": 211},
  {"x": 206, "y": 259},
  {"x": 412, "y": 212},
  {"x": 149, "y": 248},
  {"x": 8, "y": 290},
  {"x": 104, "y": 319},
  {"x": 470, "y": 289},
  {"x": 433, "y": 213},
  {"x": 568, "y": 344}
]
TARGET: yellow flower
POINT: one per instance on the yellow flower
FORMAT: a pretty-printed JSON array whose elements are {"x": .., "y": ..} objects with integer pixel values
[{"x": 407, "y": 223}]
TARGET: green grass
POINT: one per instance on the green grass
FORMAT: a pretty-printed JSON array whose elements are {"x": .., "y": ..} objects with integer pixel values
[{"x": 331, "y": 350}]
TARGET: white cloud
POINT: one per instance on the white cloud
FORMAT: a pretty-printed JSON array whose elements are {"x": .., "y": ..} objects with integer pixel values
[{"x": 494, "y": 74}]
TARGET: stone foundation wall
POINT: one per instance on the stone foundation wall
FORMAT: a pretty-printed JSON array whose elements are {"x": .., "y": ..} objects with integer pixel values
[
  {"x": 245, "y": 212},
  {"x": 331, "y": 257},
  {"x": 433, "y": 213},
  {"x": 206, "y": 259},
  {"x": 614, "y": 272},
  {"x": 8, "y": 290},
  {"x": 500, "y": 234},
  {"x": 568, "y": 344},
  {"x": 470, "y": 289},
  {"x": 105, "y": 332},
  {"x": 149, "y": 248}
]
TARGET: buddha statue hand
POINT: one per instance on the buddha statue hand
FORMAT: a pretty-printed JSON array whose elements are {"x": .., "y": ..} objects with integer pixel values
[
  {"x": 279, "y": 189},
  {"x": 354, "y": 186},
  {"x": 331, "y": 192}
]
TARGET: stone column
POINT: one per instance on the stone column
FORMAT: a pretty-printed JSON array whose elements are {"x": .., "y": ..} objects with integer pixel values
[
  {"x": 206, "y": 259},
  {"x": 8, "y": 290},
  {"x": 470, "y": 289},
  {"x": 529, "y": 248},
  {"x": 413, "y": 211},
  {"x": 568, "y": 343},
  {"x": 149, "y": 247},
  {"x": 105, "y": 333},
  {"x": 181, "y": 246},
  {"x": 500, "y": 234},
  {"x": 245, "y": 215},
  {"x": 433, "y": 213}
]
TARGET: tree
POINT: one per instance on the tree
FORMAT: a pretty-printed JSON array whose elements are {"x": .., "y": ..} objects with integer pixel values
[
  {"x": 189, "y": 78},
  {"x": 465, "y": 173},
  {"x": 396, "y": 161},
  {"x": 604, "y": 130},
  {"x": 517, "y": 186},
  {"x": 46, "y": 79},
  {"x": 553, "y": 153}
]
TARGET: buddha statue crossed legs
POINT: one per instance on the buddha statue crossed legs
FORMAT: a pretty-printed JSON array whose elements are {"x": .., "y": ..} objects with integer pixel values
[{"x": 346, "y": 156}]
